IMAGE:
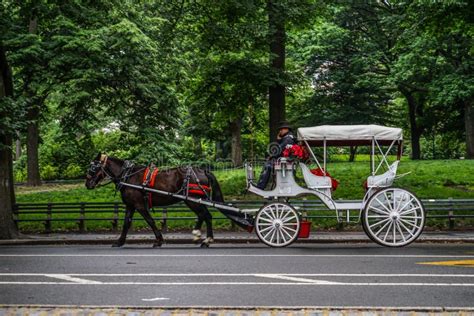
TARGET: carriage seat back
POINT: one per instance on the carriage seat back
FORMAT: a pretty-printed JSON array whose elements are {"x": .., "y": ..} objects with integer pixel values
[
  {"x": 314, "y": 181},
  {"x": 385, "y": 179}
]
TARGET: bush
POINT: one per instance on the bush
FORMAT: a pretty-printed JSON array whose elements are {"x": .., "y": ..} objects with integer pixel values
[
  {"x": 49, "y": 173},
  {"x": 73, "y": 171},
  {"x": 19, "y": 175}
]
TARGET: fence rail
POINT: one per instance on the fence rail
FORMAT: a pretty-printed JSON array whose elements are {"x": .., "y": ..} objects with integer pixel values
[{"x": 47, "y": 213}]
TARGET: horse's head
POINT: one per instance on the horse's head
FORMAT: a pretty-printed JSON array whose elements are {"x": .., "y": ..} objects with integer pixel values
[{"x": 96, "y": 172}]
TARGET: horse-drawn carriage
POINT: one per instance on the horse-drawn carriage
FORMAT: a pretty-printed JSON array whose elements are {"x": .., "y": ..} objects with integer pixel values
[{"x": 390, "y": 216}]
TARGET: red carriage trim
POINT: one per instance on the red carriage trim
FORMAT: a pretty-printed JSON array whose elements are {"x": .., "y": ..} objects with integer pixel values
[
  {"x": 194, "y": 188},
  {"x": 151, "y": 182}
]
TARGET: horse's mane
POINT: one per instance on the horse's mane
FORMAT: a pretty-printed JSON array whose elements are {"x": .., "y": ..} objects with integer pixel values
[{"x": 137, "y": 167}]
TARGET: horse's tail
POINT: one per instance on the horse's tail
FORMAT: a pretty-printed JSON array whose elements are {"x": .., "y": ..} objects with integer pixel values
[
  {"x": 216, "y": 188},
  {"x": 239, "y": 218}
]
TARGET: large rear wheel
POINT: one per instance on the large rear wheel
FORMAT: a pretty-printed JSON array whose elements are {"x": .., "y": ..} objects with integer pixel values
[
  {"x": 393, "y": 217},
  {"x": 277, "y": 224}
]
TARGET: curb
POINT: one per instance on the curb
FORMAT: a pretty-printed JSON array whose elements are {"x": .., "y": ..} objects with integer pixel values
[
  {"x": 236, "y": 310},
  {"x": 218, "y": 240}
]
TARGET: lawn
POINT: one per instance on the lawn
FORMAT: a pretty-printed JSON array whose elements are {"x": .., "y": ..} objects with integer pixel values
[{"x": 438, "y": 179}]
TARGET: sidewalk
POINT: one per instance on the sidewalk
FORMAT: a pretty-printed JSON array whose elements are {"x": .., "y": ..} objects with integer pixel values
[{"x": 223, "y": 237}]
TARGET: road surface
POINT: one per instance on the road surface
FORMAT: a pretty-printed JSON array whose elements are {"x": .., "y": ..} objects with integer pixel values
[{"x": 310, "y": 275}]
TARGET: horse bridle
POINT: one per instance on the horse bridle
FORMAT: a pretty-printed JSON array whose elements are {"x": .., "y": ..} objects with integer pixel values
[{"x": 124, "y": 175}]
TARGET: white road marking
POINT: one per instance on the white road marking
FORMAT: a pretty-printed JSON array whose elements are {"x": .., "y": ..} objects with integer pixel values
[
  {"x": 66, "y": 277},
  {"x": 290, "y": 278},
  {"x": 298, "y": 279},
  {"x": 155, "y": 299},
  {"x": 245, "y": 283},
  {"x": 428, "y": 275},
  {"x": 236, "y": 255}
]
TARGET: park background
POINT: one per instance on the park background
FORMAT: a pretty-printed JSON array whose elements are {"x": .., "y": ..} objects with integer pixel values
[{"x": 207, "y": 82}]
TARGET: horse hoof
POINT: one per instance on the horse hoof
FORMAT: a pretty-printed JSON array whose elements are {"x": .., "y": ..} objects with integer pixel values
[
  {"x": 204, "y": 245},
  {"x": 197, "y": 240},
  {"x": 158, "y": 244},
  {"x": 117, "y": 244}
]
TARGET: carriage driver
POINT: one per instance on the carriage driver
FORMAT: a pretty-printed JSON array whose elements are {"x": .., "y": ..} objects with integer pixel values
[{"x": 285, "y": 137}]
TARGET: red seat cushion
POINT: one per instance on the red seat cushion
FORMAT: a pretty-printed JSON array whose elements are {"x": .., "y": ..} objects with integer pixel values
[{"x": 320, "y": 172}]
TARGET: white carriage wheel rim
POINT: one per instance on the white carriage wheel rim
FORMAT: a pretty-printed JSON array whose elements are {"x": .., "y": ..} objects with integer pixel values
[
  {"x": 393, "y": 220},
  {"x": 277, "y": 224}
]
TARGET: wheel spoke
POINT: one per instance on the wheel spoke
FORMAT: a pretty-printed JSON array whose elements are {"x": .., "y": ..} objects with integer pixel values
[
  {"x": 388, "y": 200},
  {"x": 381, "y": 229},
  {"x": 272, "y": 230},
  {"x": 394, "y": 233},
  {"x": 286, "y": 215},
  {"x": 410, "y": 210},
  {"x": 268, "y": 215},
  {"x": 388, "y": 230},
  {"x": 409, "y": 231},
  {"x": 410, "y": 223},
  {"x": 406, "y": 204},
  {"x": 283, "y": 236},
  {"x": 379, "y": 211},
  {"x": 379, "y": 222},
  {"x": 284, "y": 231},
  {"x": 289, "y": 219},
  {"x": 266, "y": 220},
  {"x": 289, "y": 228},
  {"x": 400, "y": 231},
  {"x": 388, "y": 211}
]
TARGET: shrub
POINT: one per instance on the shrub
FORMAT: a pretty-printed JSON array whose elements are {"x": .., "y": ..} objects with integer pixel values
[
  {"x": 73, "y": 171},
  {"x": 49, "y": 172}
]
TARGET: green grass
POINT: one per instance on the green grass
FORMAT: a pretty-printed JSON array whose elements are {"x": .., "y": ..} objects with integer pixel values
[{"x": 438, "y": 179}]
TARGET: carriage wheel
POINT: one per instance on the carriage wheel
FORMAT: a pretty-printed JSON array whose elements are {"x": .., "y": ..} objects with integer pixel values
[
  {"x": 277, "y": 224},
  {"x": 393, "y": 217}
]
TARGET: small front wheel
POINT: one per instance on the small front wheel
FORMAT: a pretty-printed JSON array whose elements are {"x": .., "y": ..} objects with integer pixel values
[
  {"x": 393, "y": 217},
  {"x": 277, "y": 224}
]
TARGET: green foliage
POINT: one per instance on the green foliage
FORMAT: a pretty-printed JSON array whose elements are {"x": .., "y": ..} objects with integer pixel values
[{"x": 49, "y": 172}]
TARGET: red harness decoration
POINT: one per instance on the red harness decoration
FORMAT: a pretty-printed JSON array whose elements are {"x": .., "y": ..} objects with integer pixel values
[
  {"x": 149, "y": 181},
  {"x": 196, "y": 189}
]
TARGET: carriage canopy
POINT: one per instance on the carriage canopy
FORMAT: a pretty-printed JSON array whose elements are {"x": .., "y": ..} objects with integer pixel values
[{"x": 349, "y": 135}]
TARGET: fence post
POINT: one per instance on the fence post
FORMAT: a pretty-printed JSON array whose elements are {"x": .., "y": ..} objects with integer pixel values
[
  {"x": 232, "y": 223},
  {"x": 47, "y": 223},
  {"x": 116, "y": 215},
  {"x": 164, "y": 220},
  {"x": 82, "y": 214},
  {"x": 451, "y": 213}
]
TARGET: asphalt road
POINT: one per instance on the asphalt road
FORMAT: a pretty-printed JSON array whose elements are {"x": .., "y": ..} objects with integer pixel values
[{"x": 310, "y": 275}]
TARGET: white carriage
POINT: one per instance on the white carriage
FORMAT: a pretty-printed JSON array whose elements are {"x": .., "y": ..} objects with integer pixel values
[{"x": 390, "y": 216}]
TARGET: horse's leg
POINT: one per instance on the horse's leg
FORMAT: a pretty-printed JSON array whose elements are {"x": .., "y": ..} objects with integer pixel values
[
  {"x": 197, "y": 228},
  {"x": 150, "y": 221},
  {"x": 209, "y": 234},
  {"x": 129, "y": 211}
]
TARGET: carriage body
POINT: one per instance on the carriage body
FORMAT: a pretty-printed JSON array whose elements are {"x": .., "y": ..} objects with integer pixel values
[{"x": 390, "y": 216}]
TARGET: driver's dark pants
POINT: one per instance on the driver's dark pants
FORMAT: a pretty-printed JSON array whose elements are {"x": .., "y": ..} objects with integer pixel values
[{"x": 265, "y": 175}]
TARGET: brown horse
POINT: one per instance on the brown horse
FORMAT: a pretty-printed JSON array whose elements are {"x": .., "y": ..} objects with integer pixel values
[{"x": 169, "y": 180}]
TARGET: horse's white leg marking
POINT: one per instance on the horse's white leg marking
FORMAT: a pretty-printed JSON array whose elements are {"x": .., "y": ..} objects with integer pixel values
[{"x": 197, "y": 234}]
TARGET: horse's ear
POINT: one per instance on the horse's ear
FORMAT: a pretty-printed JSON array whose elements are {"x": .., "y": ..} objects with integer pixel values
[{"x": 99, "y": 155}]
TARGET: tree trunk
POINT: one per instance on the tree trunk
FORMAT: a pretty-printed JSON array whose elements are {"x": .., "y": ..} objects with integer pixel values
[
  {"x": 7, "y": 195},
  {"x": 32, "y": 147},
  {"x": 352, "y": 153},
  {"x": 469, "y": 126},
  {"x": 32, "y": 142},
  {"x": 414, "y": 111},
  {"x": 197, "y": 146},
  {"x": 235, "y": 129},
  {"x": 276, "y": 92},
  {"x": 17, "y": 146}
]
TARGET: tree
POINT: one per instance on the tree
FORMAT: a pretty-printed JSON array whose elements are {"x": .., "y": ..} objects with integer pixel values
[{"x": 8, "y": 229}]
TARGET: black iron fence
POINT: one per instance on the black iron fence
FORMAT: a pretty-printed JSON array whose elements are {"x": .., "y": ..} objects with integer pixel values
[{"x": 80, "y": 213}]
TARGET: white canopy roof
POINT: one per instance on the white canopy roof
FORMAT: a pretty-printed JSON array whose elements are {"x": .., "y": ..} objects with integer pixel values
[{"x": 349, "y": 134}]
